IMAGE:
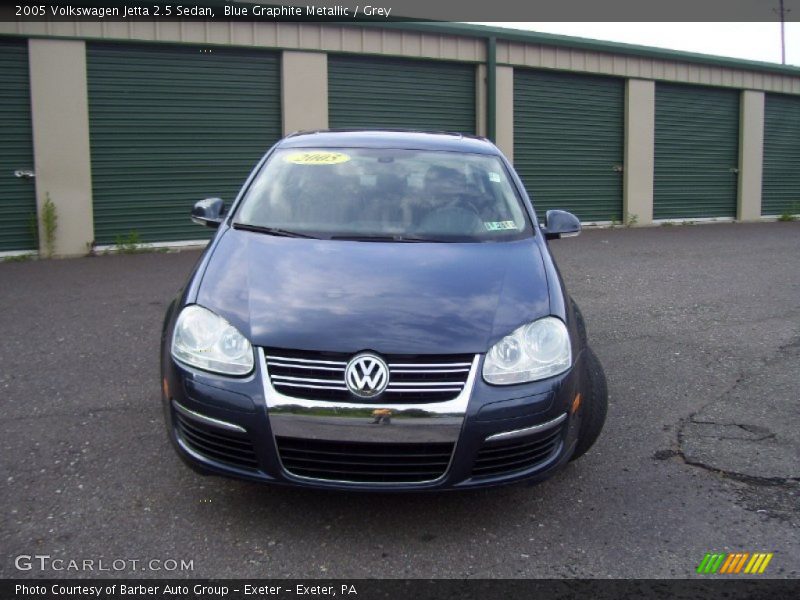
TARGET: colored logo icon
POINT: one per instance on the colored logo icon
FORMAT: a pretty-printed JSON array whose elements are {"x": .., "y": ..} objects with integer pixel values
[{"x": 734, "y": 563}]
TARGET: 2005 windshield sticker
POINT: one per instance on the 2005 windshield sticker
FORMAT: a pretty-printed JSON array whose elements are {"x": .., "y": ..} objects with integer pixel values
[
  {"x": 499, "y": 225},
  {"x": 317, "y": 158}
]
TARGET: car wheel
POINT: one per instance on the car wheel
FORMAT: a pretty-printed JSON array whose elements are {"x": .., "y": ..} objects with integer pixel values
[{"x": 594, "y": 406}]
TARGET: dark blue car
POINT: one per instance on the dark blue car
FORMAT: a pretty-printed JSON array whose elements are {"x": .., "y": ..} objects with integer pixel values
[{"x": 380, "y": 310}]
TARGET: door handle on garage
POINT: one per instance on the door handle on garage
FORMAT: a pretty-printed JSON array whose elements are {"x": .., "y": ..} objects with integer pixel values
[
  {"x": 734, "y": 169},
  {"x": 24, "y": 174},
  {"x": 617, "y": 168}
]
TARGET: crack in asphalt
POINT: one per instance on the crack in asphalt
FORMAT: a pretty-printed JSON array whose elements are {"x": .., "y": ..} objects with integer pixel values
[
  {"x": 744, "y": 426},
  {"x": 786, "y": 482},
  {"x": 734, "y": 475}
]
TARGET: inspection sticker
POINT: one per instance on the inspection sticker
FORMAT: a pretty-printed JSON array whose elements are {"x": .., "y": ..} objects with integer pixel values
[
  {"x": 499, "y": 225},
  {"x": 317, "y": 158},
  {"x": 494, "y": 177}
]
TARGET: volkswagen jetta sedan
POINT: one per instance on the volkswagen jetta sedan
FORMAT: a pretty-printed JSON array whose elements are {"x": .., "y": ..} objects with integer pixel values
[{"x": 380, "y": 311}]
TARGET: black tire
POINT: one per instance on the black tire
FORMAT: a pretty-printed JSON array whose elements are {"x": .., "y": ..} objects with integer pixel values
[
  {"x": 581, "y": 324},
  {"x": 594, "y": 406}
]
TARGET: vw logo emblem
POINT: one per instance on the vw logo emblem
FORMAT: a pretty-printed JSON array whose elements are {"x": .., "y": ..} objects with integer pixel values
[{"x": 366, "y": 375}]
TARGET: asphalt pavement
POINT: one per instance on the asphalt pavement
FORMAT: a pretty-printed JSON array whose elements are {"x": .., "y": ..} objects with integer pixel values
[{"x": 698, "y": 328}]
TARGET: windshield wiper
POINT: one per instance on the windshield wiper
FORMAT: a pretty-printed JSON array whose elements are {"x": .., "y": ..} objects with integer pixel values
[
  {"x": 384, "y": 238},
  {"x": 273, "y": 231}
]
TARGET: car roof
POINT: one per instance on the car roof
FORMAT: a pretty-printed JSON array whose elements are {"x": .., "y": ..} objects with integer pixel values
[{"x": 387, "y": 138}]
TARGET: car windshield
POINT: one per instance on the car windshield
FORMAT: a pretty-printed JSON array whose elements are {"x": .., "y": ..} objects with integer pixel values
[{"x": 384, "y": 195}]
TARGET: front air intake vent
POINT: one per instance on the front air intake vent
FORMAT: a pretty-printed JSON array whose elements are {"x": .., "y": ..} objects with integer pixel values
[
  {"x": 505, "y": 457},
  {"x": 364, "y": 462},
  {"x": 219, "y": 445}
]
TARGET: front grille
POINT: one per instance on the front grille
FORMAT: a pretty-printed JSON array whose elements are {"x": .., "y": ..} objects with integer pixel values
[
  {"x": 504, "y": 457},
  {"x": 413, "y": 379},
  {"x": 364, "y": 462},
  {"x": 228, "y": 447}
]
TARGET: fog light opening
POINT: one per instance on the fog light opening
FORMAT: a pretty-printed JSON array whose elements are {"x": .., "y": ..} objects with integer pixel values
[{"x": 576, "y": 404}]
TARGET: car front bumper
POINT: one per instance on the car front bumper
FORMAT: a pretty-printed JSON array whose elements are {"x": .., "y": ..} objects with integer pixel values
[{"x": 487, "y": 436}]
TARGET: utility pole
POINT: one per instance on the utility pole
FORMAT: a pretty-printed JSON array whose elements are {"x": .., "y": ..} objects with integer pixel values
[{"x": 783, "y": 35}]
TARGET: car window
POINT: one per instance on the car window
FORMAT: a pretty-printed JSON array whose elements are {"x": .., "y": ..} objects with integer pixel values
[{"x": 385, "y": 193}]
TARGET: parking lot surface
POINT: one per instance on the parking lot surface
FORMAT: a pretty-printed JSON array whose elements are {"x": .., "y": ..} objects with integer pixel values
[{"x": 698, "y": 328}]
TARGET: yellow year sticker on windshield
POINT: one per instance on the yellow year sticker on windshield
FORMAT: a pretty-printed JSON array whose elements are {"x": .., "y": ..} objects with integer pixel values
[{"x": 317, "y": 158}]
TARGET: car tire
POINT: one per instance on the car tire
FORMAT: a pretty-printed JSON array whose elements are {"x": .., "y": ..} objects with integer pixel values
[
  {"x": 581, "y": 324},
  {"x": 594, "y": 406}
]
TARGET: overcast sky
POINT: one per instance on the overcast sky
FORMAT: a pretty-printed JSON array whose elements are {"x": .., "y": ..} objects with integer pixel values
[{"x": 754, "y": 41}]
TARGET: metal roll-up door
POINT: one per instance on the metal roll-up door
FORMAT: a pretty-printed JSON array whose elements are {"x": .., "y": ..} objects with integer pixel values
[
  {"x": 399, "y": 93},
  {"x": 569, "y": 142},
  {"x": 17, "y": 193},
  {"x": 696, "y": 152},
  {"x": 173, "y": 125},
  {"x": 781, "y": 176}
]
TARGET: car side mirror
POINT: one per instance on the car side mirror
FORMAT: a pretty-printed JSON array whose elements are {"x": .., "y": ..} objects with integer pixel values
[
  {"x": 209, "y": 212},
  {"x": 560, "y": 223}
]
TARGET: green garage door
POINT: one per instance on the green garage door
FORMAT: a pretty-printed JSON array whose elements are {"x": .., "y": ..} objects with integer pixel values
[
  {"x": 568, "y": 142},
  {"x": 170, "y": 126},
  {"x": 17, "y": 195},
  {"x": 398, "y": 93},
  {"x": 781, "y": 183},
  {"x": 696, "y": 152}
]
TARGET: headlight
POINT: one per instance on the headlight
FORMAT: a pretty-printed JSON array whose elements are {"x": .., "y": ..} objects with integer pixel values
[
  {"x": 207, "y": 341},
  {"x": 535, "y": 351}
]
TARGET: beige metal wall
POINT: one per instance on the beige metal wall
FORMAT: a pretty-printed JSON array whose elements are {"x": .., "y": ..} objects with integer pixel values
[
  {"x": 640, "y": 121},
  {"x": 337, "y": 38},
  {"x": 751, "y": 155},
  {"x": 504, "y": 108},
  {"x": 60, "y": 116},
  {"x": 304, "y": 91},
  {"x": 290, "y": 36},
  {"x": 567, "y": 59}
]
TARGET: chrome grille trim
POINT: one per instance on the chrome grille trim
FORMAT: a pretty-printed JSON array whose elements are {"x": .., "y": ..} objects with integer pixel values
[
  {"x": 310, "y": 385},
  {"x": 207, "y": 420},
  {"x": 345, "y": 422},
  {"x": 421, "y": 390},
  {"x": 429, "y": 365},
  {"x": 305, "y": 360},
  {"x": 304, "y": 366},
  {"x": 304, "y": 379},
  {"x": 428, "y": 383},
  {"x": 454, "y": 407},
  {"x": 399, "y": 370},
  {"x": 412, "y": 382},
  {"x": 506, "y": 435}
]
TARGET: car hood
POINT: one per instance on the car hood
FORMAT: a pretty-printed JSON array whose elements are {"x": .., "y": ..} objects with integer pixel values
[{"x": 393, "y": 298}]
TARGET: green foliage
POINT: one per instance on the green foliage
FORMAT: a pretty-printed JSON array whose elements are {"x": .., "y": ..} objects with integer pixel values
[
  {"x": 129, "y": 244},
  {"x": 790, "y": 214},
  {"x": 18, "y": 258},
  {"x": 33, "y": 229},
  {"x": 49, "y": 219},
  {"x": 632, "y": 220}
]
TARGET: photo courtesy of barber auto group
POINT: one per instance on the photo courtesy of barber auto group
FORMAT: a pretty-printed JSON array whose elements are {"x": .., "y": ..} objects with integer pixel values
[{"x": 404, "y": 299}]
